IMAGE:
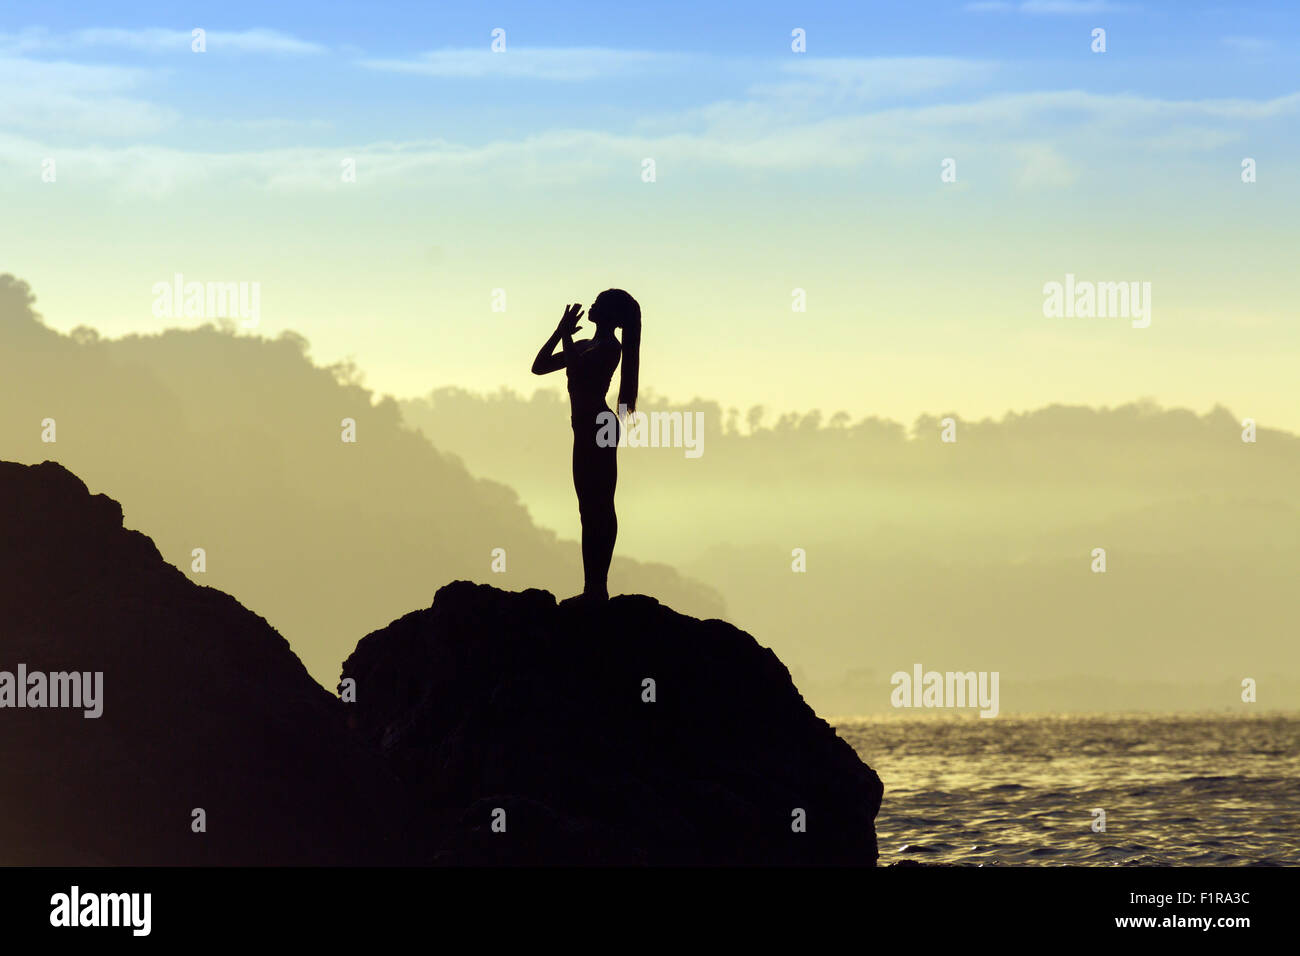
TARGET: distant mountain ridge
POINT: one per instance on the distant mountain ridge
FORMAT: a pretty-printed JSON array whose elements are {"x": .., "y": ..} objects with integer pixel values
[{"x": 969, "y": 554}]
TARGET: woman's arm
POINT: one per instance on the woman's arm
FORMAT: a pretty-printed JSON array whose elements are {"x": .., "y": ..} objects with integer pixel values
[{"x": 546, "y": 360}]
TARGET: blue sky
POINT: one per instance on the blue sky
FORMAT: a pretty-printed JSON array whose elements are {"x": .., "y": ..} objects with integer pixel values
[{"x": 334, "y": 68}]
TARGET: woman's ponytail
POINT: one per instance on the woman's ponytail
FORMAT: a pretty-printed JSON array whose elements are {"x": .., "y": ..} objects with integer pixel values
[
  {"x": 628, "y": 377},
  {"x": 628, "y": 313}
]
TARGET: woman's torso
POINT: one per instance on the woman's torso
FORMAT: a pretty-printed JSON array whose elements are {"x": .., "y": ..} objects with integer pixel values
[{"x": 589, "y": 371}]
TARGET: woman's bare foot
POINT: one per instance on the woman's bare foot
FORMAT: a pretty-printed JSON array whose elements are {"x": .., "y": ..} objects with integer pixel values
[{"x": 587, "y": 597}]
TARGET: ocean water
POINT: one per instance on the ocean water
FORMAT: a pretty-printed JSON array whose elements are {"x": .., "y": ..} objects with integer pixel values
[{"x": 1198, "y": 790}]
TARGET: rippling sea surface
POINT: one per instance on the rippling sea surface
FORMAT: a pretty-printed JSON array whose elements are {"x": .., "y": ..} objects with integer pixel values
[{"x": 1197, "y": 790}]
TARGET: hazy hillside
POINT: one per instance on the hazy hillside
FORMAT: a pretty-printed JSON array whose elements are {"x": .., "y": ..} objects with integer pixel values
[
  {"x": 972, "y": 555},
  {"x": 207, "y": 742},
  {"x": 232, "y": 443},
  {"x": 975, "y": 554}
]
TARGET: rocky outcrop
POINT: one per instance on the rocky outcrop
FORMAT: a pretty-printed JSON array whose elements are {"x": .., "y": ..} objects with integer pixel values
[
  {"x": 492, "y": 727},
  {"x": 204, "y": 706},
  {"x": 608, "y": 733}
]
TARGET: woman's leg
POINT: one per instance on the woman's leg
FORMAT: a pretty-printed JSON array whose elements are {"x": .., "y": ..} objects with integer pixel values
[{"x": 595, "y": 474}]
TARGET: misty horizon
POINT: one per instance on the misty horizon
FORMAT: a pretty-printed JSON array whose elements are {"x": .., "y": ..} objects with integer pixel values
[{"x": 845, "y": 667}]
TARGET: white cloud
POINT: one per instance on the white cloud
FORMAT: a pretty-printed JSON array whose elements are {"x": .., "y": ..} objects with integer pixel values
[
  {"x": 866, "y": 78},
  {"x": 155, "y": 40},
  {"x": 1064, "y": 7},
  {"x": 1072, "y": 6},
  {"x": 1249, "y": 44},
  {"x": 568, "y": 64},
  {"x": 1039, "y": 140},
  {"x": 76, "y": 98},
  {"x": 64, "y": 98}
]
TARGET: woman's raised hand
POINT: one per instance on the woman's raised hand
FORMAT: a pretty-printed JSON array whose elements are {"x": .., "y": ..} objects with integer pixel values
[{"x": 569, "y": 323}]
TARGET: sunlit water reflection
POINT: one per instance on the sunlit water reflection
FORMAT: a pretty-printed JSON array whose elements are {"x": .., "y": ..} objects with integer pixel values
[{"x": 1177, "y": 790}]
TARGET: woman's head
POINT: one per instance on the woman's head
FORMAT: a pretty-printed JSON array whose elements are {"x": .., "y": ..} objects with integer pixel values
[{"x": 615, "y": 307}]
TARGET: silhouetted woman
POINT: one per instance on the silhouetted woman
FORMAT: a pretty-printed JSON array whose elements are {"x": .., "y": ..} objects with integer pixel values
[{"x": 590, "y": 366}]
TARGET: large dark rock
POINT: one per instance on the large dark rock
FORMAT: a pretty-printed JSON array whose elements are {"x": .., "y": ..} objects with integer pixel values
[
  {"x": 205, "y": 706},
  {"x": 492, "y": 699},
  {"x": 488, "y": 699}
]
